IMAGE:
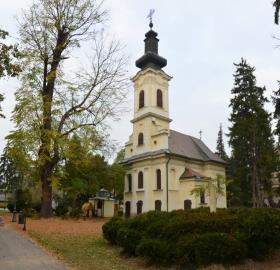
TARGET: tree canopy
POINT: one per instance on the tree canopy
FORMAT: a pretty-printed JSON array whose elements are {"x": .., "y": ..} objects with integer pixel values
[{"x": 251, "y": 139}]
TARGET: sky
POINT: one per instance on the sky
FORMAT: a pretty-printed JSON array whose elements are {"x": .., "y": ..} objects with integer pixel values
[{"x": 200, "y": 40}]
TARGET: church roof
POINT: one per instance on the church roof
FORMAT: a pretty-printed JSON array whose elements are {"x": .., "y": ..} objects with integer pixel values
[
  {"x": 190, "y": 173},
  {"x": 190, "y": 147},
  {"x": 184, "y": 146}
]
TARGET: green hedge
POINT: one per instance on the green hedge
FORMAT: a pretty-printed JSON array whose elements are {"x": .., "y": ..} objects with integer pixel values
[{"x": 197, "y": 237}]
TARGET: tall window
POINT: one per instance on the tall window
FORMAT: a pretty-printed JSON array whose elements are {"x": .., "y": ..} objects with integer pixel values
[
  {"x": 141, "y": 99},
  {"x": 158, "y": 205},
  {"x": 140, "y": 138},
  {"x": 139, "y": 207},
  {"x": 202, "y": 197},
  {"x": 140, "y": 180},
  {"x": 187, "y": 204},
  {"x": 127, "y": 209},
  {"x": 158, "y": 175},
  {"x": 129, "y": 182},
  {"x": 159, "y": 98}
]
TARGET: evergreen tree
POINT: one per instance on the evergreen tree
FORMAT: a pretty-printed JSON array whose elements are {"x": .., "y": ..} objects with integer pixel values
[
  {"x": 251, "y": 139},
  {"x": 220, "y": 149},
  {"x": 276, "y": 5},
  {"x": 276, "y": 114}
]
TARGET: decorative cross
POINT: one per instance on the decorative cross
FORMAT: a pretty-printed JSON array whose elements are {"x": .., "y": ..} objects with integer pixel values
[
  {"x": 150, "y": 16},
  {"x": 200, "y": 134}
]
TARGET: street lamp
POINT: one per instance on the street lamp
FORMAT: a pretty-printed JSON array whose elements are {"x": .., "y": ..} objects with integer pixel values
[{"x": 14, "y": 218}]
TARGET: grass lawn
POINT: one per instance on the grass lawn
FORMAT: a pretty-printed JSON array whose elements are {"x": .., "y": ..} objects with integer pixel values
[
  {"x": 81, "y": 245},
  {"x": 84, "y": 251}
]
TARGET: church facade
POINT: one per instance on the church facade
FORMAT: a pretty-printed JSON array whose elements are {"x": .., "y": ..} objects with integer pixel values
[{"x": 163, "y": 166}]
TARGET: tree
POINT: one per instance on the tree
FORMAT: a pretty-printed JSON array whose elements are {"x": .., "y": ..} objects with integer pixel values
[
  {"x": 213, "y": 188},
  {"x": 251, "y": 139},
  {"x": 276, "y": 114},
  {"x": 66, "y": 103},
  {"x": 220, "y": 149},
  {"x": 276, "y": 5},
  {"x": 8, "y": 65}
]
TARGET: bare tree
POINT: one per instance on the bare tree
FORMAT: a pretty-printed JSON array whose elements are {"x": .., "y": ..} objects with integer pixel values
[{"x": 49, "y": 31}]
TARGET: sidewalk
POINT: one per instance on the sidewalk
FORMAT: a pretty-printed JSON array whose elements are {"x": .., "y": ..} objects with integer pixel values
[{"x": 17, "y": 252}]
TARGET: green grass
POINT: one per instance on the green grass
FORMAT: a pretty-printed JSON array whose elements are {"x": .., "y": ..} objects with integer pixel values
[{"x": 85, "y": 251}]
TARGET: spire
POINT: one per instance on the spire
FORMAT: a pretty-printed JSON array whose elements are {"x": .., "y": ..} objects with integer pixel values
[{"x": 151, "y": 57}]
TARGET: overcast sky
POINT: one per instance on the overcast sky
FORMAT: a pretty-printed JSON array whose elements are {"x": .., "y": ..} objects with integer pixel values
[{"x": 200, "y": 39}]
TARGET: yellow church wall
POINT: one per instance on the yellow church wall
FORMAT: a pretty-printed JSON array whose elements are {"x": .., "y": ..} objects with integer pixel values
[{"x": 179, "y": 190}]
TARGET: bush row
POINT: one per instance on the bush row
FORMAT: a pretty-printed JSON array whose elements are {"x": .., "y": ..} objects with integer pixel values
[{"x": 197, "y": 237}]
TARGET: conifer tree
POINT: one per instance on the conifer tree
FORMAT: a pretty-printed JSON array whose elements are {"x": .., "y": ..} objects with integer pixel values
[
  {"x": 276, "y": 114},
  {"x": 251, "y": 139},
  {"x": 220, "y": 149}
]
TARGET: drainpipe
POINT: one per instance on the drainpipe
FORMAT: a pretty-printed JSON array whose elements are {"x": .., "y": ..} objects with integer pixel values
[{"x": 167, "y": 183}]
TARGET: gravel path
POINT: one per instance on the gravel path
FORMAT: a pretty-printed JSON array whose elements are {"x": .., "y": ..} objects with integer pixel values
[{"x": 17, "y": 252}]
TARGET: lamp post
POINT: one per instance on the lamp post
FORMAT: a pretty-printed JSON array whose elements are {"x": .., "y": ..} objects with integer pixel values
[{"x": 14, "y": 218}]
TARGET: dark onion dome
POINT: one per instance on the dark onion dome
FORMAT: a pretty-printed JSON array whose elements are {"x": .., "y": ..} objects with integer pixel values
[{"x": 151, "y": 57}]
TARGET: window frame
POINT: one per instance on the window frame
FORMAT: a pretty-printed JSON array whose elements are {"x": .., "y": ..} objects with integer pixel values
[
  {"x": 141, "y": 101},
  {"x": 159, "y": 98},
  {"x": 158, "y": 179},
  {"x": 140, "y": 180},
  {"x": 140, "y": 138}
]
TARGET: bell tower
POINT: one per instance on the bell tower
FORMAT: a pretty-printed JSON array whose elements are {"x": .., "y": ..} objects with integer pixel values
[{"x": 151, "y": 107}]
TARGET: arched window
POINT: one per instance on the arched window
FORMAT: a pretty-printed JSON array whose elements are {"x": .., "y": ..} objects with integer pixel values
[
  {"x": 158, "y": 175},
  {"x": 158, "y": 205},
  {"x": 202, "y": 197},
  {"x": 140, "y": 138},
  {"x": 187, "y": 204},
  {"x": 129, "y": 182},
  {"x": 140, "y": 180},
  {"x": 139, "y": 207},
  {"x": 159, "y": 98},
  {"x": 141, "y": 99},
  {"x": 127, "y": 209}
]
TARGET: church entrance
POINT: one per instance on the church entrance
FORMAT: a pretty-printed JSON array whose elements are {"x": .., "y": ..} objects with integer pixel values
[{"x": 127, "y": 209}]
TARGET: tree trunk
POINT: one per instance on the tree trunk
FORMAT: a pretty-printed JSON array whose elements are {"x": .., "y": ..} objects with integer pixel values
[{"x": 46, "y": 209}]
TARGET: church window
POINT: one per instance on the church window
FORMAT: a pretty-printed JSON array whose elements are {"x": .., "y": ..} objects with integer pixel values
[
  {"x": 159, "y": 98},
  {"x": 140, "y": 138},
  {"x": 187, "y": 204},
  {"x": 139, "y": 207},
  {"x": 202, "y": 197},
  {"x": 158, "y": 175},
  {"x": 158, "y": 205},
  {"x": 127, "y": 209},
  {"x": 140, "y": 180},
  {"x": 129, "y": 182},
  {"x": 141, "y": 99}
]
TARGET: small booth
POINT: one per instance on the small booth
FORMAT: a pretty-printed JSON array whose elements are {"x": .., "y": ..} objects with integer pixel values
[{"x": 104, "y": 204}]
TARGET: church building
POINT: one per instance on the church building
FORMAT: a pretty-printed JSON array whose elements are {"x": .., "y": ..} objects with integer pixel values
[{"x": 163, "y": 165}]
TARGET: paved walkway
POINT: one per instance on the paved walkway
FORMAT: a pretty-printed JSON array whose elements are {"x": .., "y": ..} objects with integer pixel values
[{"x": 19, "y": 253}]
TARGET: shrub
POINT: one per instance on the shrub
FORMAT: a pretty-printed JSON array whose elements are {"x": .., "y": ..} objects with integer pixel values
[
  {"x": 36, "y": 206},
  {"x": 110, "y": 229},
  {"x": 61, "y": 210},
  {"x": 158, "y": 251},
  {"x": 218, "y": 248},
  {"x": 30, "y": 212},
  {"x": 10, "y": 206},
  {"x": 128, "y": 239},
  {"x": 75, "y": 213},
  {"x": 197, "y": 237}
]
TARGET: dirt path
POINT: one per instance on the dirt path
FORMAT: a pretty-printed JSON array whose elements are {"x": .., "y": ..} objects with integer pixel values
[{"x": 17, "y": 252}]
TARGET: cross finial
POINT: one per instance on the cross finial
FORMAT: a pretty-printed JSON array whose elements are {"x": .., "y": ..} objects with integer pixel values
[
  {"x": 200, "y": 134},
  {"x": 150, "y": 16}
]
